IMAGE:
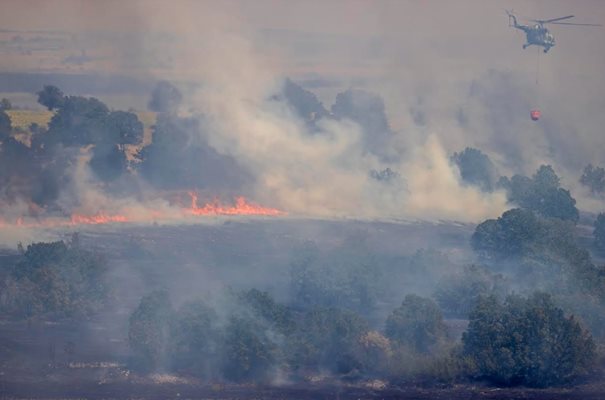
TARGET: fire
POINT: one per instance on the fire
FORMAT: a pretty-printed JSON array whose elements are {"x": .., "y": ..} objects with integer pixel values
[
  {"x": 100, "y": 218},
  {"x": 241, "y": 207},
  {"x": 214, "y": 208}
]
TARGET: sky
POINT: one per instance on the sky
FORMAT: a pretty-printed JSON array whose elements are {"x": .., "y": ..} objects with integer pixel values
[{"x": 435, "y": 64}]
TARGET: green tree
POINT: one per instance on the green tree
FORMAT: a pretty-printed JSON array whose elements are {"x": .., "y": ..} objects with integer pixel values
[
  {"x": 326, "y": 338},
  {"x": 476, "y": 168},
  {"x": 194, "y": 339},
  {"x": 78, "y": 121},
  {"x": 148, "y": 331},
  {"x": 263, "y": 306},
  {"x": 51, "y": 97},
  {"x": 57, "y": 279},
  {"x": 541, "y": 193},
  {"x": 248, "y": 352},
  {"x": 345, "y": 278},
  {"x": 5, "y": 104},
  {"x": 599, "y": 232},
  {"x": 594, "y": 178},
  {"x": 458, "y": 292},
  {"x": 123, "y": 128},
  {"x": 527, "y": 341},
  {"x": 5, "y": 125},
  {"x": 304, "y": 103},
  {"x": 108, "y": 162},
  {"x": 417, "y": 323},
  {"x": 509, "y": 236}
]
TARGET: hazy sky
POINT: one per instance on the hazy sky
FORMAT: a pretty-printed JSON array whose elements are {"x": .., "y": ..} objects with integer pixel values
[{"x": 330, "y": 37}]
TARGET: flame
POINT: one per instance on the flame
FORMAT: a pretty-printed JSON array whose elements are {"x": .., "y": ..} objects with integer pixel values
[
  {"x": 241, "y": 207},
  {"x": 100, "y": 218}
]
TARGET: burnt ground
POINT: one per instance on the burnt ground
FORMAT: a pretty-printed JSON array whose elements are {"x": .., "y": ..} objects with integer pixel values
[
  {"x": 80, "y": 389},
  {"x": 63, "y": 360}
]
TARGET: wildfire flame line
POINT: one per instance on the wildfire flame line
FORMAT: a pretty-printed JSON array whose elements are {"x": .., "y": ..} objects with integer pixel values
[
  {"x": 214, "y": 208},
  {"x": 241, "y": 207}
]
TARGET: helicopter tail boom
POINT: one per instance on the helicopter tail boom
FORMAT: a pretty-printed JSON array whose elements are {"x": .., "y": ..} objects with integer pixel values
[{"x": 511, "y": 17}]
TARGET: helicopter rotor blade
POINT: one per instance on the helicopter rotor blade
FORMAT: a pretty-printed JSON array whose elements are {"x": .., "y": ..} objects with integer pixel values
[
  {"x": 571, "y": 23},
  {"x": 548, "y": 21}
]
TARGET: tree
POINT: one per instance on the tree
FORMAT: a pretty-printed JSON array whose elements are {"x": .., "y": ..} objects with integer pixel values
[
  {"x": 346, "y": 278},
  {"x": 51, "y": 97},
  {"x": 79, "y": 121},
  {"x": 510, "y": 236},
  {"x": 248, "y": 352},
  {"x": 527, "y": 341},
  {"x": 368, "y": 110},
  {"x": 165, "y": 98},
  {"x": 57, "y": 279},
  {"x": 108, "y": 162},
  {"x": 5, "y": 125},
  {"x": 327, "y": 338},
  {"x": 179, "y": 158},
  {"x": 5, "y": 104},
  {"x": 599, "y": 232},
  {"x": 194, "y": 339},
  {"x": 148, "y": 331},
  {"x": 304, "y": 103},
  {"x": 123, "y": 128},
  {"x": 476, "y": 168},
  {"x": 541, "y": 193},
  {"x": 264, "y": 307},
  {"x": 546, "y": 178},
  {"x": 417, "y": 323},
  {"x": 593, "y": 178},
  {"x": 458, "y": 292},
  {"x": 545, "y": 251}
]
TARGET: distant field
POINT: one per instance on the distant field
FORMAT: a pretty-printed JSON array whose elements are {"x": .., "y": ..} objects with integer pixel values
[{"x": 24, "y": 118}]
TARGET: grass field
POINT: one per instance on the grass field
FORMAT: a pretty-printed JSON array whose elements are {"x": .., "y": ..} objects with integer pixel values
[{"x": 22, "y": 119}]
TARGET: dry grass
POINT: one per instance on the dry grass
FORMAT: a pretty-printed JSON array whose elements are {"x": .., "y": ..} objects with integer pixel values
[{"x": 22, "y": 119}]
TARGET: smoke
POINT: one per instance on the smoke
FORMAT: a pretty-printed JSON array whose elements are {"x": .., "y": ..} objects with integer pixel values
[{"x": 231, "y": 62}]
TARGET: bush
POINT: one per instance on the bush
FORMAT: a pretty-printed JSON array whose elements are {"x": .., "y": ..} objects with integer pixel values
[
  {"x": 55, "y": 278},
  {"x": 327, "y": 338},
  {"x": 346, "y": 278},
  {"x": 5, "y": 125},
  {"x": 417, "y": 323},
  {"x": 599, "y": 232},
  {"x": 248, "y": 352},
  {"x": 542, "y": 194},
  {"x": 5, "y": 104},
  {"x": 457, "y": 293},
  {"x": 593, "y": 178},
  {"x": 193, "y": 339},
  {"x": 148, "y": 331},
  {"x": 526, "y": 341},
  {"x": 476, "y": 168},
  {"x": 509, "y": 236}
]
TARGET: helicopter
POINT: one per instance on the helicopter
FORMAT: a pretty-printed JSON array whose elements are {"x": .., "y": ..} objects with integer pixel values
[{"x": 538, "y": 34}]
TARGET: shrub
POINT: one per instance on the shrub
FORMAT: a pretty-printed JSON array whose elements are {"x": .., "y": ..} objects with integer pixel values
[
  {"x": 248, "y": 352},
  {"x": 417, "y": 323},
  {"x": 148, "y": 331},
  {"x": 526, "y": 341}
]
